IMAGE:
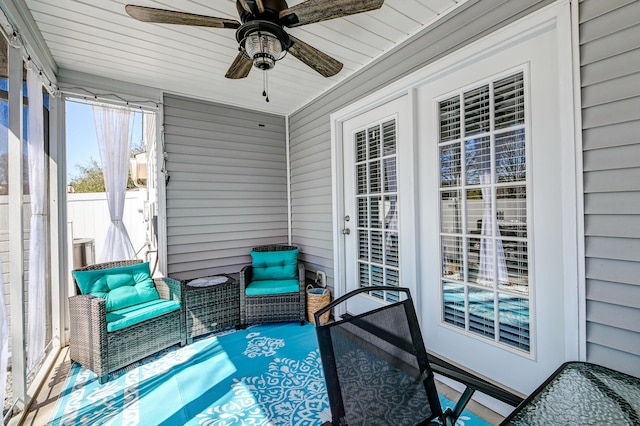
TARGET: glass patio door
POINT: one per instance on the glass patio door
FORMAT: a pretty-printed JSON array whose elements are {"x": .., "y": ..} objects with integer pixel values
[
  {"x": 493, "y": 227},
  {"x": 374, "y": 145}
]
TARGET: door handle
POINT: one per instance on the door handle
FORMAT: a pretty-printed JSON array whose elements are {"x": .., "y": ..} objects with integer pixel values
[{"x": 346, "y": 231}]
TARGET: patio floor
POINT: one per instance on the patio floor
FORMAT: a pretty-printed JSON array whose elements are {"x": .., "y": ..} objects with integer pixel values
[{"x": 42, "y": 408}]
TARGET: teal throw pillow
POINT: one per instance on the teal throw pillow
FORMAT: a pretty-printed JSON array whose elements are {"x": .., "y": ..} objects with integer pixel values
[
  {"x": 274, "y": 265},
  {"x": 121, "y": 287}
]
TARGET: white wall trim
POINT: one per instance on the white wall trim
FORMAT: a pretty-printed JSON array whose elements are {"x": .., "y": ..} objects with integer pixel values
[
  {"x": 570, "y": 178},
  {"x": 161, "y": 179},
  {"x": 288, "y": 155},
  {"x": 60, "y": 238},
  {"x": 577, "y": 114},
  {"x": 337, "y": 207},
  {"x": 57, "y": 260}
]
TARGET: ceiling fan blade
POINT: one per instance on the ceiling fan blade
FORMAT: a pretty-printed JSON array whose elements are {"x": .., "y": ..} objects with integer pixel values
[
  {"x": 312, "y": 11},
  {"x": 240, "y": 67},
  {"x": 245, "y": 6},
  {"x": 163, "y": 16},
  {"x": 321, "y": 62}
]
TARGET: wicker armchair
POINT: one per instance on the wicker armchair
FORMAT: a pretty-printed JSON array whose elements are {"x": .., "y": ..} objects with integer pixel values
[
  {"x": 103, "y": 352},
  {"x": 276, "y": 307}
]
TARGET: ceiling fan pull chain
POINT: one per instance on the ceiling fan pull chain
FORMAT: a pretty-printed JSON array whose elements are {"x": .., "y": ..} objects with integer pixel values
[{"x": 265, "y": 85}]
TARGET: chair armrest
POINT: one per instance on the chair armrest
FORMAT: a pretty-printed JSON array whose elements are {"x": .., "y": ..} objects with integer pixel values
[
  {"x": 245, "y": 279},
  {"x": 303, "y": 292},
  {"x": 301, "y": 275},
  {"x": 168, "y": 288},
  {"x": 246, "y": 274},
  {"x": 85, "y": 306},
  {"x": 171, "y": 289},
  {"x": 88, "y": 332},
  {"x": 471, "y": 381}
]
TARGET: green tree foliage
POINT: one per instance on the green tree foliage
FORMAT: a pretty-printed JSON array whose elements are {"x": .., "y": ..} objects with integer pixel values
[{"x": 89, "y": 177}]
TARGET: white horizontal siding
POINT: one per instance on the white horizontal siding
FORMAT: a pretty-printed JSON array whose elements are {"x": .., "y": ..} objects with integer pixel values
[
  {"x": 610, "y": 76},
  {"x": 228, "y": 185}
]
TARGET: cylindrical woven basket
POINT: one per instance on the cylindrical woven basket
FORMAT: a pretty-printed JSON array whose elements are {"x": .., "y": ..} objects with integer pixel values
[{"x": 318, "y": 298}]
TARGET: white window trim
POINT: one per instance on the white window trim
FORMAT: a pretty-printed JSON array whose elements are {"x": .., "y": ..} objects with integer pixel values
[{"x": 558, "y": 15}]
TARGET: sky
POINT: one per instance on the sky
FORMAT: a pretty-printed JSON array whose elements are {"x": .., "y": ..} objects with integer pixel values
[{"x": 82, "y": 144}]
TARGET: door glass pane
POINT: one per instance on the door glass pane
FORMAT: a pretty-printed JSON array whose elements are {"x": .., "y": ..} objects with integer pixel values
[
  {"x": 477, "y": 159},
  {"x": 452, "y": 257},
  {"x": 509, "y": 101},
  {"x": 481, "y": 312},
  {"x": 450, "y": 119},
  {"x": 377, "y": 201},
  {"x": 483, "y": 211},
  {"x": 454, "y": 304},
  {"x": 514, "y": 320},
  {"x": 450, "y": 168},
  {"x": 510, "y": 157},
  {"x": 477, "y": 117}
]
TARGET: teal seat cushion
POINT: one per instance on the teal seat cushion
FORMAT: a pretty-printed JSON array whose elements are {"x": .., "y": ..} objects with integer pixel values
[
  {"x": 267, "y": 287},
  {"x": 274, "y": 265},
  {"x": 125, "y": 317},
  {"x": 121, "y": 287}
]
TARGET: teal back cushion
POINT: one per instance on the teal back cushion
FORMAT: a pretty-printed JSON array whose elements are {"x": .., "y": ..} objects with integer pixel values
[
  {"x": 121, "y": 287},
  {"x": 274, "y": 265}
]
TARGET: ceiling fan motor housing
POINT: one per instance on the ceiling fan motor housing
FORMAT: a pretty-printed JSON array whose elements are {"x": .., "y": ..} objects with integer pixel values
[{"x": 271, "y": 12}]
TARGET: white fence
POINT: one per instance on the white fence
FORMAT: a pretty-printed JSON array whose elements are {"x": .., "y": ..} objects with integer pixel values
[{"x": 88, "y": 217}]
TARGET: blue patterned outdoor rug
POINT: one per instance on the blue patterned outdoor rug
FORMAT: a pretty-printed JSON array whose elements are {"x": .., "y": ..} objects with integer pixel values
[{"x": 265, "y": 375}]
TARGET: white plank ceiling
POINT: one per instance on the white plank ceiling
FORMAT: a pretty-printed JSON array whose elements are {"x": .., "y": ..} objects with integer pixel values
[{"x": 97, "y": 37}]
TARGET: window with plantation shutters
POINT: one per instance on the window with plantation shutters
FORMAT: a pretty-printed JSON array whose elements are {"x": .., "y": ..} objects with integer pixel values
[
  {"x": 483, "y": 211},
  {"x": 377, "y": 206}
]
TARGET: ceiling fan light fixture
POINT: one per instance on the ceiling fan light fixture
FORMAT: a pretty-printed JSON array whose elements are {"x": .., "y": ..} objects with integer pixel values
[
  {"x": 263, "y": 42},
  {"x": 264, "y": 48}
]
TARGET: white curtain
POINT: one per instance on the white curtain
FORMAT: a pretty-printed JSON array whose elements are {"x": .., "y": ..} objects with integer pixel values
[
  {"x": 486, "y": 270},
  {"x": 149, "y": 120},
  {"x": 4, "y": 338},
  {"x": 36, "y": 289},
  {"x": 114, "y": 128}
]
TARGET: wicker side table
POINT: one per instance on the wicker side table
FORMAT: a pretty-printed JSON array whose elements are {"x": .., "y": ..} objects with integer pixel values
[{"x": 211, "y": 308}]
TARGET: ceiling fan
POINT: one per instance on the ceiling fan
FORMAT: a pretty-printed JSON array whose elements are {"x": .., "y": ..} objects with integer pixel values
[{"x": 261, "y": 36}]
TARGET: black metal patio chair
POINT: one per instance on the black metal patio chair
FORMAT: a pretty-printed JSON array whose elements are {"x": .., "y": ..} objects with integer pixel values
[{"x": 377, "y": 370}]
